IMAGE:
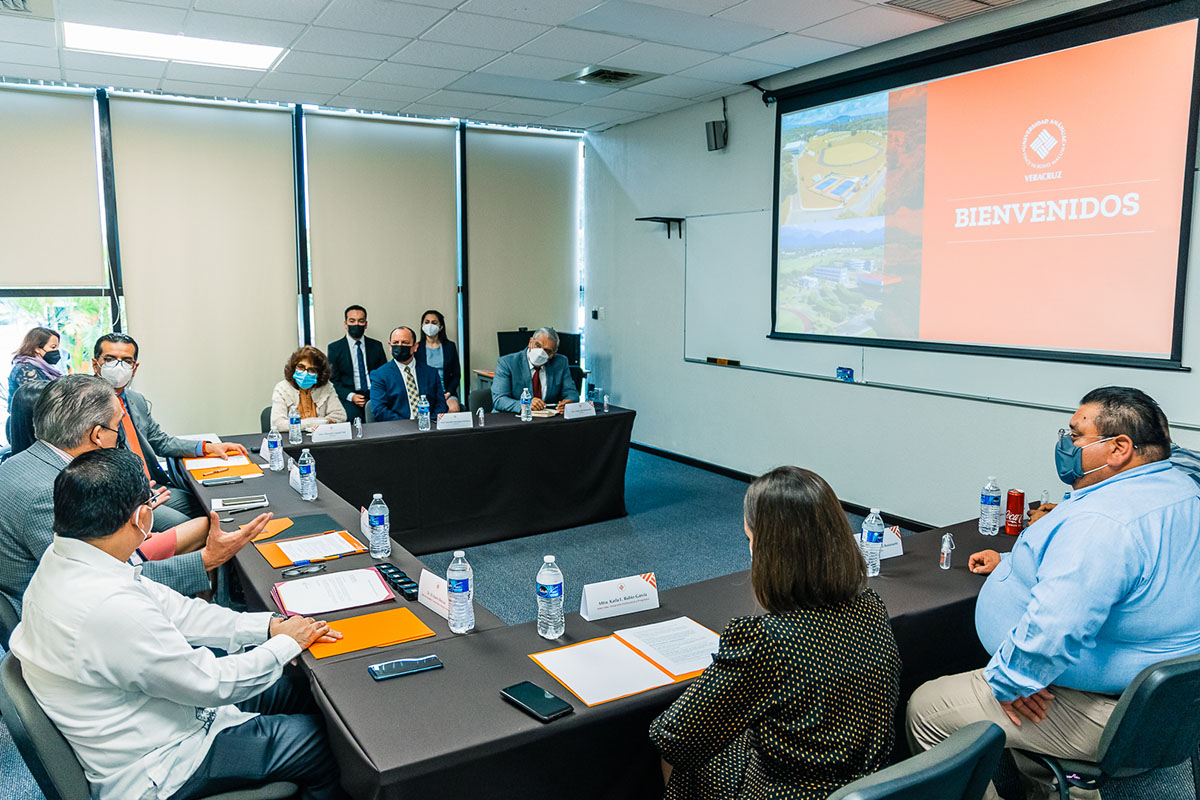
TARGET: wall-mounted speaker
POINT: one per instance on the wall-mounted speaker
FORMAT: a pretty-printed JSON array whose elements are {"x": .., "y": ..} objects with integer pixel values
[{"x": 718, "y": 134}]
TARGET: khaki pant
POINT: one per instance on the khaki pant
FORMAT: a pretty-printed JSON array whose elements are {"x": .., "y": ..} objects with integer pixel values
[{"x": 1072, "y": 728}]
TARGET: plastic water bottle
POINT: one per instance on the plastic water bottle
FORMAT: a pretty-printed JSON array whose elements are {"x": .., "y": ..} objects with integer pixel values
[
  {"x": 459, "y": 580},
  {"x": 989, "y": 508},
  {"x": 479, "y": 416},
  {"x": 295, "y": 436},
  {"x": 422, "y": 413},
  {"x": 872, "y": 541},
  {"x": 308, "y": 475},
  {"x": 358, "y": 427},
  {"x": 605, "y": 404},
  {"x": 550, "y": 599},
  {"x": 947, "y": 548},
  {"x": 526, "y": 405},
  {"x": 378, "y": 517},
  {"x": 275, "y": 450}
]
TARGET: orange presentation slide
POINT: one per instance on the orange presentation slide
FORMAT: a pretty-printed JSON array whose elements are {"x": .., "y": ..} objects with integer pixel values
[{"x": 1008, "y": 206}]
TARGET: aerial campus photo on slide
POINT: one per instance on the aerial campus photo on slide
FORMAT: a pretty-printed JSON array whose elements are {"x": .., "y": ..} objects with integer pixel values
[{"x": 970, "y": 209}]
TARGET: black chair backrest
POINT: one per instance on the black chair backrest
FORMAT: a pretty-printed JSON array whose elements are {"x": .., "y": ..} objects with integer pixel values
[
  {"x": 49, "y": 758},
  {"x": 958, "y": 768},
  {"x": 8, "y": 620},
  {"x": 20, "y": 415},
  {"x": 480, "y": 398},
  {"x": 264, "y": 420},
  {"x": 1157, "y": 721}
]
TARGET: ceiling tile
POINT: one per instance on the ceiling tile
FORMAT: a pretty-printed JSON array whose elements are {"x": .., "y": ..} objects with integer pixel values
[
  {"x": 454, "y": 99},
  {"x": 640, "y": 101},
  {"x": 386, "y": 91},
  {"x": 728, "y": 69},
  {"x": 366, "y": 104},
  {"x": 285, "y": 10},
  {"x": 338, "y": 42},
  {"x": 587, "y": 116},
  {"x": 373, "y": 16},
  {"x": 664, "y": 58},
  {"x": 547, "y": 12},
  {"x": 446, "y": 5},
  {"x": 197, "y": 89},
  {"x": 197, "y": 73},
  {"x": 309, "y": 84},
  {"x": 527, "y": 87},
  {"x": 705, "y": 7},
  {"x": 241, "y": 29},
  {"x": 522, "y": 66},
  {"x": 788, "y": 15},
  {"x": 29, "y": 72},
  {"x": 116, "y": 65},
  {"x": 324, "y": 64},
  {"x": 38, "y": 32},
  {"x": 675, "y": 86},
  {"x": 88, "y": 78},
  {"x": 581, "y": 45},
  {"x": 474, "y": 30},
  {"x": 447, "y": 56},
  {"x": 871, "y": 25},
  {"x": 793, "y": 50},
  {"x": 671, "y": 27},
  {"x": 437, "y": 112},
  {"x": 116, "y": 14},
  {"x": 29, "y": 54},
  {"x": 503, "y": 118},
  {"x": 299, "y": 98},
  {"x": 172, "y": 3},
  {"x": 537, "y": 108},
  {"x": 413, "y": 75}
]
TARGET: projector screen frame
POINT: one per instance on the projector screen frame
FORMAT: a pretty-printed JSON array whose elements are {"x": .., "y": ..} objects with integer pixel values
[{"x": 1085, "y": 26}]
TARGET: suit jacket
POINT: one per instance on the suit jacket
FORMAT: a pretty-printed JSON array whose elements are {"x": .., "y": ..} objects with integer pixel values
[
  {"x": 154, "y": 441},
  {"x": 27, "y": 520},
  {"x": 339, "y": 354},
  {"x": 451, "y": 370},
  {"x": 389, "y": 398},
  {"x": 514, "y": 374}
]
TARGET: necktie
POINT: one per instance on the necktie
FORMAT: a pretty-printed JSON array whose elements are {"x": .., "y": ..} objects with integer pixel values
[
  {"x": 131, "y": 441},
  {"x": 362, "y": 367},
  {"x": 537, "y": 382},
  {"x": 410, "y": 383}
]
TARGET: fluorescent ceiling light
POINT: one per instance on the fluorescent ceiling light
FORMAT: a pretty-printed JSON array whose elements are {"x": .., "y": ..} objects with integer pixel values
[{"x": 141, "y": 44}]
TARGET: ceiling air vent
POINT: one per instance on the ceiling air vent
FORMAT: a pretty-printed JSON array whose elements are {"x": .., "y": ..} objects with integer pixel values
[
  {"x": 949, "y": 10},
  {"x": 608, "y": 76}
]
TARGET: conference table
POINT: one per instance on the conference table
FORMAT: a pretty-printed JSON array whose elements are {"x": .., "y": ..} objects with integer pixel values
[
  {"x": 462, "y": 488},
  {"x": 449, "y": 730}
]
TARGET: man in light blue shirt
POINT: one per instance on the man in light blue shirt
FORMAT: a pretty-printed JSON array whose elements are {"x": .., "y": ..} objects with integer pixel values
[{"x": 1100, "y": 588}]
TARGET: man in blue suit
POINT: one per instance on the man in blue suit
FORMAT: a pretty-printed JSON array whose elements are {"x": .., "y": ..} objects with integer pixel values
[
  {"x": 396, "y": 386},
  {"x": 537, "y": 368}
]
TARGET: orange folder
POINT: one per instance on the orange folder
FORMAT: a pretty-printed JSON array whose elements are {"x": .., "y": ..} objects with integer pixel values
[
  {"x": 380, "y": 629},
  {"x": 241, "y": 471},
  {"x": 275, "y": 557},
  {"x": 275, "y": 526}
]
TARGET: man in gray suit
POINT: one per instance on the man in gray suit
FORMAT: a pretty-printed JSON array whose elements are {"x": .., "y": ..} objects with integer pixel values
[
  {"x": 114, "y": 359},
  {"x": 537, "y": 368},
  {"x": 76, "y": 414}
]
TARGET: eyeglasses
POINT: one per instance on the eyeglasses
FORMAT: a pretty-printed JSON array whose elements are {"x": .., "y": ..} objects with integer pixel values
[
  {"x": 110, "y": 430},
  {"x": 110, "y": 359}
]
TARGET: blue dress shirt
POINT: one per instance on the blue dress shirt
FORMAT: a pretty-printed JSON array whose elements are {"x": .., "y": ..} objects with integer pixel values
[{"x": 1098, "y": 589}]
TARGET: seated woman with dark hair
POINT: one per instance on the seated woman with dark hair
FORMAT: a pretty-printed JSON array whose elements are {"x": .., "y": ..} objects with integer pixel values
[
  {"x": 35, "y": 360},
  {"x": 801, "y": 700},
  {"x": 306, "y": 386}
]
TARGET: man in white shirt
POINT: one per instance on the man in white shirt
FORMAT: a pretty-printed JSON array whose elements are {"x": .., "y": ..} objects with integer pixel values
[{"x": 121, "y": 664}]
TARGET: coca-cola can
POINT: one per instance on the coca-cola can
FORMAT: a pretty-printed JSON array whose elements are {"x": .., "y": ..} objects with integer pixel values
[{"x": 1014, "y": 515}]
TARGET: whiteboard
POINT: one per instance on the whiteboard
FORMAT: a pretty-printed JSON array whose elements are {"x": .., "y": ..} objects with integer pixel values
[{"x": 727, "y": 314}]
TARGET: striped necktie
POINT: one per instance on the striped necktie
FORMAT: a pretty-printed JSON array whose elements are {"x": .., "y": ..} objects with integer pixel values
[{"x": 410, "y": 383}]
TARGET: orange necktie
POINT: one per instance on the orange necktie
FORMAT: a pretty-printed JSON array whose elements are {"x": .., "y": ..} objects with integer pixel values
[{"x": 131, "y": 439}]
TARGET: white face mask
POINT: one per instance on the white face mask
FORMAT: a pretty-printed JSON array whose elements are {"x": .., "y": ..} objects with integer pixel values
[
  {"x": 430, "y": 328},
  {"x": 117, "y": 373},
  {"x": 146, "y": 532},
  {"x": 537, "y": 357}
]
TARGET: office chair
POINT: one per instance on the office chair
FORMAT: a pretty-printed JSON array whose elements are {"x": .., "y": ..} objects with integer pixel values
[
  {"x": 264, "y": 420},
  {"x": 20, "y": 416},
  {"x": 8, "y": 620},
  {"x": 958, "y": 768}
]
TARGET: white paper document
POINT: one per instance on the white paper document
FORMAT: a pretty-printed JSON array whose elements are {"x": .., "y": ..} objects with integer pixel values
[
  {"x": 680, "y": 646},
  {"x": 215, "y": 463},
  {"x": 334, "y": 592},
  {"x": 601, "y": 670},
  {"x": 201, "y": 437},
  {"x": 315, "y": 548}
]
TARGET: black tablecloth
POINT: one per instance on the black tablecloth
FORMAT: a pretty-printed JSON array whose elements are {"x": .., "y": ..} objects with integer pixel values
[{"x": 460, "y": 488}]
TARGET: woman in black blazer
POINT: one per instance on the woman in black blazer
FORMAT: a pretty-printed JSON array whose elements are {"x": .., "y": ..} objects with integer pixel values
[
  {"x": 798, "y": 701},
  {"x": 436, "y": 351}
]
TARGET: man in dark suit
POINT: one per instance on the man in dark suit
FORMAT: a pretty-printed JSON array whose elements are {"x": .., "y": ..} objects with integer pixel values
[
  {"x": 352, "y": 359},
  {"x": 397, "y": 385},
  {"x": 538, "y": 368}
]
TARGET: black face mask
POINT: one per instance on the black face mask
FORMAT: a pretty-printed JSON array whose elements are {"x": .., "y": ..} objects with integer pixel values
[
  {"x": 52, "y": 356},
  {"x": 356, "y": 331},
  {"x": 402, "y": 352}
]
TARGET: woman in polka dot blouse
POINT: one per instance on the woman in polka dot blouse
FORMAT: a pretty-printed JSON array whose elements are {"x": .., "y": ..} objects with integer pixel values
[{"x": 799, "y": 701}]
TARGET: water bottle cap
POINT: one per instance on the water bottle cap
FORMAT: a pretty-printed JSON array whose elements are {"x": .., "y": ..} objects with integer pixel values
[
  {"x": 304, "y": 452},
  {"x": 874, "y": 510},
  {"x": 460, "y": 554},
  {"x": 991, "y": 478},
  {"x": 548, "y": 559},
  {"x": 377, "y": 496}
]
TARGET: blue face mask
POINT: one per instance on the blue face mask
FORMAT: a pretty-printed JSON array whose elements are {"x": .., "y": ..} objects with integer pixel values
[
  {"x": 1068, "y": 459},
  {"x": 305, "y": 380}
]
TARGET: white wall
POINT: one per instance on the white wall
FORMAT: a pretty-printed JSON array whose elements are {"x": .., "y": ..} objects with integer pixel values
[{"x": 922, "y": 456}]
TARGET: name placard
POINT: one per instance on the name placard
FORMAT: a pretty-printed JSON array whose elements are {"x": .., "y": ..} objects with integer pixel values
[
  {"x": 294, "y": 478},
  {"x": 578, "y": 410},
  {"x": 431, "y": 593},
  {"x": 332, "y": 432},
  {"x": 459, "y": 419},
  {"x": 621, "y": 596},
  {"x": 891, "y": 544}
]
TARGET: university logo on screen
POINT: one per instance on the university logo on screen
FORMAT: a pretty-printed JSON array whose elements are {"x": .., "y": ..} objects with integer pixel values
[{"x": 1042, "y": 147}]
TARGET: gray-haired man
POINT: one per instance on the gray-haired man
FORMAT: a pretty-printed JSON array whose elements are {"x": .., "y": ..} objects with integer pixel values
[
  {"x": 537, "y": 368},
  {"x": 76, "y": 414}
]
